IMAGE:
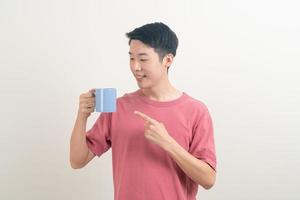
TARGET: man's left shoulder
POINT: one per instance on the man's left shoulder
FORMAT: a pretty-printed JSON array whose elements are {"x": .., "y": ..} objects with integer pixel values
[{"x": 196, "y": 103}]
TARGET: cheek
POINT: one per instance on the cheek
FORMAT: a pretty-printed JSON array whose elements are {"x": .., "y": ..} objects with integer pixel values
[{"x": 131, "y": 68}]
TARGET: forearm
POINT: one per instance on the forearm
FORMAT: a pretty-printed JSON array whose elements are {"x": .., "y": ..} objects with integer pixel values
[
  {"x": 197, "y": 170},
  {"x": 78, "y": 147}
]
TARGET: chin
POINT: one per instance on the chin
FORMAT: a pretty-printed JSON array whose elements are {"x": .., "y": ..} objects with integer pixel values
[{"x": 143, "y": 86}]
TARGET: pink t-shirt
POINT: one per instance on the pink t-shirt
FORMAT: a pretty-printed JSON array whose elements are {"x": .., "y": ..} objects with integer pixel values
[{"x": 141, "y": 169}]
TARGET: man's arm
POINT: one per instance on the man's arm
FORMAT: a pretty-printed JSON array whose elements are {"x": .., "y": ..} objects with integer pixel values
[
  {"x": 198, "y": 170},
  {"x": 80, "y": 154}
]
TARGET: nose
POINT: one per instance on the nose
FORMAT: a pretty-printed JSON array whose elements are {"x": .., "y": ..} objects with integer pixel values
[{"x": 136, "y": 66}]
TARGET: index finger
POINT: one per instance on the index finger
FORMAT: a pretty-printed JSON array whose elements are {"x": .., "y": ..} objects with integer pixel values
[
  {"x": 91, "y": 92},
  {"x": 145, "y": 117}
]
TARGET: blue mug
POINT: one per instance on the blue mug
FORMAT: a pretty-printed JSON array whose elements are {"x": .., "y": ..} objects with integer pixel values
[{"x": 106, "y": 99}]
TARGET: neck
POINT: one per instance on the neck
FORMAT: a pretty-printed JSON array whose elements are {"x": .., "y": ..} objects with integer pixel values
[{"x": 164, "y": 91}]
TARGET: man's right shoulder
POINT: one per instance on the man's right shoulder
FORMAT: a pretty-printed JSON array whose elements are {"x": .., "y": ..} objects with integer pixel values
[{"x": 127, "y": 96}]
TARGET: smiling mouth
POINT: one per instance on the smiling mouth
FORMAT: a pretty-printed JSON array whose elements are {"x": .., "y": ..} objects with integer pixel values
[{"x": 141, "y": 77}]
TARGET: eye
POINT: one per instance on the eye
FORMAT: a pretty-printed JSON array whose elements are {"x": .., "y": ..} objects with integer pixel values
[
  {"x": 131, "y": 59},
  {"x": 144, "y": 60}
]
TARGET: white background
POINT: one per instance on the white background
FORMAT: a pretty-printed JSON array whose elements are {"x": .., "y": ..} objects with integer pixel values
[{"x": 241, "y": 58}]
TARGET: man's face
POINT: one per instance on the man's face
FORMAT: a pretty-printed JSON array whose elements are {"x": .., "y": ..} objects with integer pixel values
[{"x": 145, "y": 64}]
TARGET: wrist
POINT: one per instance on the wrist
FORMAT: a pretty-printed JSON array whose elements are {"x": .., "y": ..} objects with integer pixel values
[
  {"x": 81, "y": 116},
  {"x": 170, "y": 145}
]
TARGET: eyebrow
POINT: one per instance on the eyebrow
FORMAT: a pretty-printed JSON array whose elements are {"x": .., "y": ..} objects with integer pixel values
[{"x": 140, "y": 54}]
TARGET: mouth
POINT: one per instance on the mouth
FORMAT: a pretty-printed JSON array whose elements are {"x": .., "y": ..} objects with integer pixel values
[{"x": 140, "y": 77}]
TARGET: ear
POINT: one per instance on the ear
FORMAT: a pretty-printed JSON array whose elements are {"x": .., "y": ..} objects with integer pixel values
[{"x": 168, "y": 59}]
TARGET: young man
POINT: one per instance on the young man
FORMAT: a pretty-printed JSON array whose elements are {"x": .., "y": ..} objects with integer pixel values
[{"x": 162, "y": 139}]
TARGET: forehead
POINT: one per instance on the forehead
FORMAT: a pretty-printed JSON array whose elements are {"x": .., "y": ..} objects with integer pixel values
[{"x": 139, "y": 48}]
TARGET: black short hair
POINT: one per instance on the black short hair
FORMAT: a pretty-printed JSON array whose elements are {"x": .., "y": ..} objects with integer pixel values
[{"x": 158, "y": 36}]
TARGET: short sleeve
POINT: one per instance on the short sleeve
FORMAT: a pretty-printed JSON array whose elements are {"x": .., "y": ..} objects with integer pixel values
[
  {"x": 98, "y": 138},
  {"x": 202, "y": 145}
]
